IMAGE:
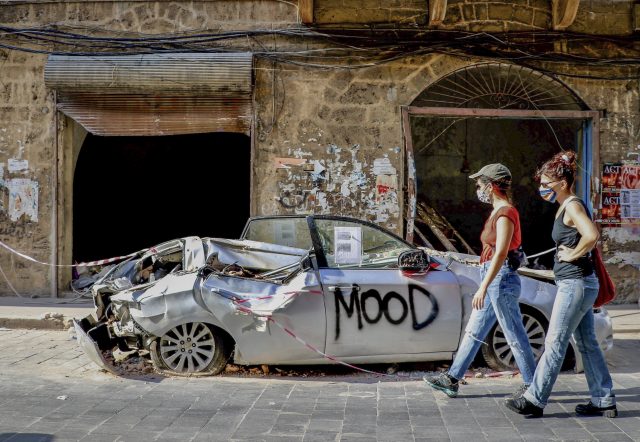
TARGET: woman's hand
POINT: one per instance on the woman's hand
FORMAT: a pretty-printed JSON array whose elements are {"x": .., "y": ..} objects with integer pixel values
[
  {"x": 565, "y": 254},
  {"x": 478, "y": 299}
]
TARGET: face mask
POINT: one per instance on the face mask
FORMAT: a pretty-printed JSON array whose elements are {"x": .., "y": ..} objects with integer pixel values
[
  {"x": 548, "y": 195},
  {"x": 483, "y": 195}
]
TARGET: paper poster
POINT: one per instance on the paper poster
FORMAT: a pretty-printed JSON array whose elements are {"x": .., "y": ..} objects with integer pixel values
[
  {"x": 348, "y": 245},
  {"x": 23, "y": 199},
  {"x": 620, "y": 194},
  {"x": 383, "y": 166},
  {"x": 384, "y": 185},
  {"x": 17, "y": 165},
  {"x": 285, "y": 232},
  {"x": 630, "y": 194},
  {"x": 610, "y": 209},
  {"x": 611, "y": 177}
]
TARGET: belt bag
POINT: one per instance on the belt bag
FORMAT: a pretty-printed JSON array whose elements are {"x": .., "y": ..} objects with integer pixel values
[{"x": 516, "y": 258}]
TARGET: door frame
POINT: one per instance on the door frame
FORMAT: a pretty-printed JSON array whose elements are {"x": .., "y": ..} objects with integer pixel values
[{"x": 591, "y": 160}]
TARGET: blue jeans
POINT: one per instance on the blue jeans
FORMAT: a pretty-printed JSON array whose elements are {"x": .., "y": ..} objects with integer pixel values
[
  {"x": 573, "y": 313},
  {"x": 501, "y": 303}
]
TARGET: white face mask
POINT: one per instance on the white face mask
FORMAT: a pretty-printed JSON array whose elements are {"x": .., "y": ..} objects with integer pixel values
[{"x": 484, "y": 195}]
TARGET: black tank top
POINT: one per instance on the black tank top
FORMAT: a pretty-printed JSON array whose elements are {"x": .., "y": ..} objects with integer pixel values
[{"x": 564, "y": 235}]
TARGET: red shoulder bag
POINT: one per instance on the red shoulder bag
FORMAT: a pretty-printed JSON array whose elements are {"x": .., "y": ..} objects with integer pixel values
[{"x": 607, "y": 291}]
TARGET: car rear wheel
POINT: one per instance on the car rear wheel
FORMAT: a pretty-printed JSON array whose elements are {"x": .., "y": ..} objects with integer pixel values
[
  {"x": 190, "y": 349},
  {"x": 498, "y": 354}
]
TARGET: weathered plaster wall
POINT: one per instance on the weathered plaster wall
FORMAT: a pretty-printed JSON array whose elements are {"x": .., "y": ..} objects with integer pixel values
[
  {"x": 317, "y": 153},
  {"x": 28, "y": 118},
  {"x": 619, "y": 136},
  {"x": 335, "y": 142},
  {"x": 326, "y": 141},
  {"x": 27, "y": 164}
]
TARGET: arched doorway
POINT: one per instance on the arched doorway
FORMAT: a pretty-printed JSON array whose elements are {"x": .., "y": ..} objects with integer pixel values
[
  {"x": 487, "y": 113},
  {"x": 133, "y": 192}
]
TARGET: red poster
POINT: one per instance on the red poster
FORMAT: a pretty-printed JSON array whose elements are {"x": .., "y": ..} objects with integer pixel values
[
  {"x": 610, "y": 209},
  {"x": 611, "y": 177}
]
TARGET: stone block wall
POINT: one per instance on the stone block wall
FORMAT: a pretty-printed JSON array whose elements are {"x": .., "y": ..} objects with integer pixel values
[
  {"x": 27, "y": 172},
  {"x": 325, "y": 141}
]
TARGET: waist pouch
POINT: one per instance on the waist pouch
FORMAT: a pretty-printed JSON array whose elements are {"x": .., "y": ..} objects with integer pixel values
[{"x": 516, "y": 258}]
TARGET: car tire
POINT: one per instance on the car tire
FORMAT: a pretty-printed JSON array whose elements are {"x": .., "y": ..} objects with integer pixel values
[
  {"x": 191, "y": 349},
  {"x": 497, "y": 353}
]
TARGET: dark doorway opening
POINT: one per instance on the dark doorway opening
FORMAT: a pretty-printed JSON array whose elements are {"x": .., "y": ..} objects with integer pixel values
[
  {"x": 448, "y": 149},
  {"x": 134, "y": 192}
]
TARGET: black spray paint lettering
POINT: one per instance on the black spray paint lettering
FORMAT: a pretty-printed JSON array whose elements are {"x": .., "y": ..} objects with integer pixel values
[{"x": 359, "y": 306}]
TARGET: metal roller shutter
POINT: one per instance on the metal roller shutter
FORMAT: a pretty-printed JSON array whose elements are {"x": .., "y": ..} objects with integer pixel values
[{"x": 156, "y": 94}]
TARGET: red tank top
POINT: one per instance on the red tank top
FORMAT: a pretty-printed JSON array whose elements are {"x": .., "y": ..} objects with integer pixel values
[{"x": 488, "y": 235}]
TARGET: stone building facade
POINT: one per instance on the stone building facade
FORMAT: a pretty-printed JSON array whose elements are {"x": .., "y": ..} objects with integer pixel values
[{"x": 324, "y": 138}]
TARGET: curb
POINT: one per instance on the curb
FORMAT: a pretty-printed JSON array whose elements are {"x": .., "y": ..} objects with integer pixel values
[{"x": 37, "y": 324}]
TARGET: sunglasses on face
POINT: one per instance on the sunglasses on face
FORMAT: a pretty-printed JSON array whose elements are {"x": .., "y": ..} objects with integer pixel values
[{"x": 548, "y": 184}]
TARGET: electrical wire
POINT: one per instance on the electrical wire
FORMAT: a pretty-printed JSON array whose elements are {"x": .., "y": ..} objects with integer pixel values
[{"x": 344, "y": 48}]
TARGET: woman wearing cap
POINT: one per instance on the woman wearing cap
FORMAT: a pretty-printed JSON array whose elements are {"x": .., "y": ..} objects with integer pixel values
[
  {"x": 497, "y": 296},
  {"x": 575, "y": 236}
]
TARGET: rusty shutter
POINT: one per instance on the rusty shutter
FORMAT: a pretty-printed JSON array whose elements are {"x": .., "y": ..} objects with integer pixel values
[{"x": 154, "y": 94}]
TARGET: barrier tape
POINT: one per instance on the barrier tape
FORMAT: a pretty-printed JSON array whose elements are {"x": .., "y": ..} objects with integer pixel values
[
  {"x": 327, "y": 356},
  {"x": 288, "y": 331},
  {"x": 82, "y": 264}
]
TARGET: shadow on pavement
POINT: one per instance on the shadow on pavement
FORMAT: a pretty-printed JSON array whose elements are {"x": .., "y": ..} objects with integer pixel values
[{"x": 26, "y": 437}]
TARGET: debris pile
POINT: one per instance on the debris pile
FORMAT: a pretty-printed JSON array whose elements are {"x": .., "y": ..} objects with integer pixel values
[{"x": 129, "y": 363}]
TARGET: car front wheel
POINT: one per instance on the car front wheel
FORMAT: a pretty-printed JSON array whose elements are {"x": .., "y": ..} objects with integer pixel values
[
  {"x": 190, "y": 349},
  {"x": 497, "y": 352}
]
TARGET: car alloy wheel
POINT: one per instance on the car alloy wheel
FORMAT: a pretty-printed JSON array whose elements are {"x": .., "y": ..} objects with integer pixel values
[
  {"x": 497, "y": 352},
  {"x": 190, "y": 349}
]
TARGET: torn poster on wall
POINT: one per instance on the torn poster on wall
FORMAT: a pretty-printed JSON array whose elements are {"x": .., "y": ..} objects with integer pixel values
[
  {"x": 23, "y": 198},
  {"x": 16, "y": 165},
  {"x": 620, "y": 194}
]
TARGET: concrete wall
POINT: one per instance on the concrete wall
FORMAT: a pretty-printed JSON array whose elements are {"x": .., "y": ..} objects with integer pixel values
[{"x": 344, "y": 125}]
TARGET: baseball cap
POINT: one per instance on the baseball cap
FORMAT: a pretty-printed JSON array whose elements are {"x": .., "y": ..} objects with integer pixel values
[{"x": 495, "y": 171}]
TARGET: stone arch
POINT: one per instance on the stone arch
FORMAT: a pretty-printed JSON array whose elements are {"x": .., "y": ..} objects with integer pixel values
[{"x": 499, "y": 86}]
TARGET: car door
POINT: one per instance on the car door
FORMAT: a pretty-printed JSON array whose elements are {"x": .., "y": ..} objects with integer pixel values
[{"x": 372, "y": 308}]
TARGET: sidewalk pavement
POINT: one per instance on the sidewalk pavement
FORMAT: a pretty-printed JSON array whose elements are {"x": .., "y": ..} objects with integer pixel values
[
  {"x": 30, "y": 313},
  {"x": 42, "y": 313}
]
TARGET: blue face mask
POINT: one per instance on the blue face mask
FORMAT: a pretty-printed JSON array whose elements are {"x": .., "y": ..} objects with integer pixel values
[{"x": 548, "y": 195}]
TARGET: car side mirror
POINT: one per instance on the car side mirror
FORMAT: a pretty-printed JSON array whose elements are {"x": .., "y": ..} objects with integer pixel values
[{"x": 413, "y": 261}]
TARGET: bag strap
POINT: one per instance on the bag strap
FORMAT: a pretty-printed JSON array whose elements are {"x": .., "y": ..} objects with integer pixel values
[{"x": 564, "y": 205}]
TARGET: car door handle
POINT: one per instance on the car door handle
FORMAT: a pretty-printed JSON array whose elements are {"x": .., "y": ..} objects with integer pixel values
[{"x": 344, "y": 288}]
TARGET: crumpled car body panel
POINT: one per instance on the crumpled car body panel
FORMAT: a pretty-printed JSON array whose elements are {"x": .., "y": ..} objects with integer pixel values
[{"x": 360, "y": 315}]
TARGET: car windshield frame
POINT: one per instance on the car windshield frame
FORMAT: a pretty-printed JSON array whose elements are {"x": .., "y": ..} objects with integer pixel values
[{"x": 316, "y": 245}]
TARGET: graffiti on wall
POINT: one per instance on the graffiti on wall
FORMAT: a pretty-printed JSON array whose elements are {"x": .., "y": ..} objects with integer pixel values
[{"x": 372, "y": 306}]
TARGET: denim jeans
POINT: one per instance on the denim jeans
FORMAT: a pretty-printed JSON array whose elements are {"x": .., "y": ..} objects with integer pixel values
[
  {"x": 573, "y": 314},
  {"x": 501, "y": 303}
]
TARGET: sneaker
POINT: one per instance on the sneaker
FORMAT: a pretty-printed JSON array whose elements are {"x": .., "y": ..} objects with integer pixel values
[
  {"x": 522, "y": 406},
  {"x": 589, "y": 409},
  {"x": 443, "y": 382},
  {"x": 518, "y": 393}
]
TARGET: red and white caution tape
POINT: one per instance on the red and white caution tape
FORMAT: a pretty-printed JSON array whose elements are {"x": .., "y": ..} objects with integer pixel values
[
  {"x": 327, "y": 356},
  {"x": 288, "y": 331},
  {"x": 99, "y": 262}
]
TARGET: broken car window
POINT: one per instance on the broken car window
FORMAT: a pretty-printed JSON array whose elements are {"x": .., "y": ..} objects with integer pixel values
[
  {"x": 289, "y": 232},
  {"x": 352, "y": 245}
]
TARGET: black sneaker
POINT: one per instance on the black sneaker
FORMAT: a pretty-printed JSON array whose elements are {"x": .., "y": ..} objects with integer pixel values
[
  {"x": 518, "y": 393},
  {"x": 443, "y": 382},
  {"x": 522, "y": 406},
  {"x": 589, "y": 409}
]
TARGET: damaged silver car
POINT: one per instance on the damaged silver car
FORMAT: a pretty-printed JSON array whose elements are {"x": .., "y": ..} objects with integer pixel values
[{"x": 345, "y": 287}]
